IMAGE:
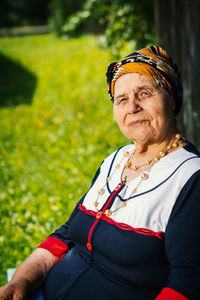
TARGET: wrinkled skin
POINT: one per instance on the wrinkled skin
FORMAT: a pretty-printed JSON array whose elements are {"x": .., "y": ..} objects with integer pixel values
[
  {"x": 30, "y": 275},
  {"x": 14, "y": 290}
]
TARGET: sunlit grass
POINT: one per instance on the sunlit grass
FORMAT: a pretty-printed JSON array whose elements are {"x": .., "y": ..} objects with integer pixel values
[{"x": 51, "y": 144}]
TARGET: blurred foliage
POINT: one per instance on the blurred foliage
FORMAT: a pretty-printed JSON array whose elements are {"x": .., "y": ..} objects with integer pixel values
[
  {"x": 57, "y": 18},
  {"x": 24, "y": 12},
  {"x": 120, "y": 21},
  {"x": 117, "y": 21},
  {"x": 50, "y": 147},
  {"x": 60, "y": 10},
  {"x": 37, "y": 12}
]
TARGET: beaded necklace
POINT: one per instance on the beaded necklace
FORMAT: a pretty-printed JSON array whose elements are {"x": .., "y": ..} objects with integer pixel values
[{"x": 178, "y": 139}]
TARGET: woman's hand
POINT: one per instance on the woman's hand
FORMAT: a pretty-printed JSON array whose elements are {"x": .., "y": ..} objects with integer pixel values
[
  {"x": 16, "y": 289},
  {"x": 30, "y": 275}
]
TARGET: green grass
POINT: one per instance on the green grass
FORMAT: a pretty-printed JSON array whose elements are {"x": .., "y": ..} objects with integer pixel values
[{"x": 56, "y": 127}]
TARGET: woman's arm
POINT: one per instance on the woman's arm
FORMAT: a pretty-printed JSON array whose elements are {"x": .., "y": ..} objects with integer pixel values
[
  {"x": 182, "y": 244},
  {"x": 29, "y": 275}
]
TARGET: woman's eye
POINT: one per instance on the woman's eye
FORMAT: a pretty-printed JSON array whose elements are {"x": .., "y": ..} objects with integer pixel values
[
  {"x": 144, "y": 94},
  {"x": 122, "y": 100},
  {"x": 119, "y": 101}
]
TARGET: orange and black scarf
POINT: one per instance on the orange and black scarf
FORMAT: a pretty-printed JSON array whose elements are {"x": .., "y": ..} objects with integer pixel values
[{"x": 153, "y": 62}]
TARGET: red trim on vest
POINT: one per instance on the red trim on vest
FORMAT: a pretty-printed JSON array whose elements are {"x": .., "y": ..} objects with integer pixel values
[
  {"x": 170, "y": 294},
  {"x": 54, "y": 245},
  {"x": 60, "y": 258},
  {"x": 143, "y": 231},
  {"x": 99, "y": 215}
]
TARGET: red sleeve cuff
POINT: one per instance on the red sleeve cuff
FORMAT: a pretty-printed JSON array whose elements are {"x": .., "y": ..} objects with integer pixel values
[
  {"x": 168, "y": 293},
  {"x": 54, "y": 245}
]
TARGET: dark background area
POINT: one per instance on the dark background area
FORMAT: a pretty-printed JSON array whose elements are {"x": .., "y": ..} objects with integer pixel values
[{"x": 14, "y": 13}]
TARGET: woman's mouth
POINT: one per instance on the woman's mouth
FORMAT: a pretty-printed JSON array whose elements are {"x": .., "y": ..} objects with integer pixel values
[{"x": 136, "y": 123}]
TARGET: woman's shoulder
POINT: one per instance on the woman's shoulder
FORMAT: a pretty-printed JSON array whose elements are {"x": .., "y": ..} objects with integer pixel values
[
  {"x": 191, "y": 149},
  {"x": 184, "y": 165},
  {"x": 191, "y": 158}
]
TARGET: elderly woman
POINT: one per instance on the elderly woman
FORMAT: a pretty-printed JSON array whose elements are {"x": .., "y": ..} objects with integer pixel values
[{"x": 135, "y": 234}]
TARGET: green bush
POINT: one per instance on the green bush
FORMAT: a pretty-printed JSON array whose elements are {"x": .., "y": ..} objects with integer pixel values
[
  {"x": 50, "y": 145},
  {"x": 119, "y": 22}
]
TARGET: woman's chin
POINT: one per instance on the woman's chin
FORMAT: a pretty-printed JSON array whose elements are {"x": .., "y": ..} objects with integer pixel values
[{"x": 139, "y": 136}]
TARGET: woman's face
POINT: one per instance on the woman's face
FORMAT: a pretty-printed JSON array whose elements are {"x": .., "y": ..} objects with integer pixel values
[{"x": 142, "y": 109}]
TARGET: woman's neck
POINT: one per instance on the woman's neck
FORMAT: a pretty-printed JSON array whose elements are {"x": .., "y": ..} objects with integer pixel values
[
  {"x": 146, "y": 155},
  {"x": 152, "y": 148}
]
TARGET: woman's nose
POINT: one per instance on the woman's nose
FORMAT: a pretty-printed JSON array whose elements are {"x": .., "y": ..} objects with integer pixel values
[{"x": 133, "y": 105}]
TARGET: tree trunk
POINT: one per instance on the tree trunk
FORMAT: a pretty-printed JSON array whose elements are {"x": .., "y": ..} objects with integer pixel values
[{"x": 178, "y": 31}]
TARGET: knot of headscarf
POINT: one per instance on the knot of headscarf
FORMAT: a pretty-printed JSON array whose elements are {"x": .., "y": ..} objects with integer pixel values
[{"x": 153, "y": 62}]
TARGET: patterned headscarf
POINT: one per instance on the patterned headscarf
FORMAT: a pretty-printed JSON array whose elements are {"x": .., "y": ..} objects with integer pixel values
[{"x": 153, "y": 62}]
